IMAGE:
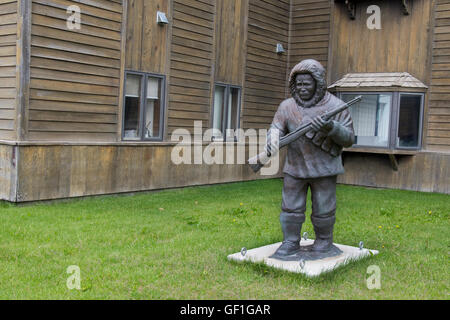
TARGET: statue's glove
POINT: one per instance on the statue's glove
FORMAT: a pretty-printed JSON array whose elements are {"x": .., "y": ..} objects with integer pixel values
[
  {"x": 273, "y": 142},
  {"x": 319, "y": 124}
]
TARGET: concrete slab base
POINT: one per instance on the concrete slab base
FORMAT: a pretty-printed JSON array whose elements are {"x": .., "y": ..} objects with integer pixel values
[{"x": 311, "y": 268}]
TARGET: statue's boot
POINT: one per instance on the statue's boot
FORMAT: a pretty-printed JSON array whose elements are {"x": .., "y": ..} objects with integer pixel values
[
  {"x": 291, "y": 225},
  {"x": 323, "y": 228}
]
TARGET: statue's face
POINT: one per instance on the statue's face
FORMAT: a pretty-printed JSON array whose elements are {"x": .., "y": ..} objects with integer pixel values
[{"x": 305, "y": 86}]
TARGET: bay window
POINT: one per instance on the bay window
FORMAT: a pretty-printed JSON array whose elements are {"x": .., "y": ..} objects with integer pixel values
[
  {"x": 390, "y": 115},
  {"x": 410, "y": 120},
  {"x": 371, "y": 119},
  {"x": 390, "y": 120}
]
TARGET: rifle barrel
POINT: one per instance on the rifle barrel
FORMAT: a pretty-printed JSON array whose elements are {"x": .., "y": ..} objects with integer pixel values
[
  {"x": 294, "y": 135},
  {"x": 257, "y": 162}
]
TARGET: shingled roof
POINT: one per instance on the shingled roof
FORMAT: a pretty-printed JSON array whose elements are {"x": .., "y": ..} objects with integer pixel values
[{"x": 385, "y": 80}]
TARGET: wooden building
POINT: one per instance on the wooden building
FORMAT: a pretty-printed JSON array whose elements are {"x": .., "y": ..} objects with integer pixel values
[{"x": 92, "y": 90}]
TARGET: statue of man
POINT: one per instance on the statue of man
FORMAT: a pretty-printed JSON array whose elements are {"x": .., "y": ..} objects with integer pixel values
[{"x": 313, "y": 161}]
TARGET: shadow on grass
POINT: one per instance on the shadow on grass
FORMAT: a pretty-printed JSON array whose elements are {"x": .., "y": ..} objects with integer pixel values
[{"x": 5, "y": 204}]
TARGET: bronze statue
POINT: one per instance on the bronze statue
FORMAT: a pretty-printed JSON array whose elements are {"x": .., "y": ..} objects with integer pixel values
[{"x": 313, "y": 160}]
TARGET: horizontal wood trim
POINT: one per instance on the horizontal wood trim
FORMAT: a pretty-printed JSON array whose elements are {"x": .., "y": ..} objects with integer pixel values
[
  {"x": 40, "y": 73},
  {"x": 50, "y": 95},
  {"x": 6, "y": 103},
  {"x": 88, "y": 20},
  {"x": 64, "y": 116},
  {"x": 50, "y": 126},
  {"x": 98, "y": 8},
  {"x": 74, "y": 67},
  {"x": 7, "y": 134},
  {"x": 72, "y": 107},
  {"x": 72, "y": 136}
]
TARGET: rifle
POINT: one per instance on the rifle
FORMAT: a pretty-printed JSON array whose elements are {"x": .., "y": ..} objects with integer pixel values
[{"x": 258, "y": 161}]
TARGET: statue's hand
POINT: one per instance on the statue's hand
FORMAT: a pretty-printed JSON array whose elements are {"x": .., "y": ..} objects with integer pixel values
[
  {"x": 273, "y": 142},
  {"x": 318, "y": 124}
]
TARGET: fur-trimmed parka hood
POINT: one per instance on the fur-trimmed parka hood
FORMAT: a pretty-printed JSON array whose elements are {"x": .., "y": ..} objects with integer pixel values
[{"x": 317, "y": 71}]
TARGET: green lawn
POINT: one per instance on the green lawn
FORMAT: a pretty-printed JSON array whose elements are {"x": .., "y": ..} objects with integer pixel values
[{"x": 173, "y": 245}]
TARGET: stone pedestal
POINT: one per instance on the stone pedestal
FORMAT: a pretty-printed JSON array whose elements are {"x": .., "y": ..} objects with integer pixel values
[{"x": 310, "y": 268}]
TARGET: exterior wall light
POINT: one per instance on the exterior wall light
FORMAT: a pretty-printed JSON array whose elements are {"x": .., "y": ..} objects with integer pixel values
[
  {"x": 161, "y": 18},
  {"x": 280, "y": 48}
]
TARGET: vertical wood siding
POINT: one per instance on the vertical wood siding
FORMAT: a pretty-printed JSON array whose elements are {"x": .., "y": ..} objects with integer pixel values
[
  {"x": 426, "y": 171},
  {"x": 310, "y": 31},
  {"x": 401, "y": 45},
  {"x": 61, "y": 171},
  {"x": 265, "y": 73},
  {"x": 74, "y": 85},
  {"x": 8, "y": 35},
  {"x": 8, "y": 173},
  {"x": 191, "y": 60},
  {"x": 438, "y": 133},
  {"x": 230, "y": 41},
  {"x": 146, "y": 41}
]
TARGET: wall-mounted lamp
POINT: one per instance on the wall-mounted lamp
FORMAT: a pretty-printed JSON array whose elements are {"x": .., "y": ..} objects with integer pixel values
[
  {"x": 161, "y": 18},
  {"x": 280, "y": 48}
]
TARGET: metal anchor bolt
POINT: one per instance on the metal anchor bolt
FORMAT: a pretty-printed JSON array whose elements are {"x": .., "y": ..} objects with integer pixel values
[{"x": 302, "y": 263}]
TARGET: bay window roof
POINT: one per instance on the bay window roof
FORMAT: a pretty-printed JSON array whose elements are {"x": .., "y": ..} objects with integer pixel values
[
  {"x": 385, "y": 81},
  {"x": 389, "y": 118}
]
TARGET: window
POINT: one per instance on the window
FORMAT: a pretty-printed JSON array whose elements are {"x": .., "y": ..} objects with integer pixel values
[
  {"x": 410, "y": 121},
  {"x": 143, "y": 114},
  {"x": 387, "y": 119},
  {"x": 132, "y": 107},
  {"x": 371, "y": 119},
  {"x": 226, "y": 111}
]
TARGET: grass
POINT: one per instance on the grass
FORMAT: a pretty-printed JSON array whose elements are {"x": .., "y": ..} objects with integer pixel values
[{"x": 173, "y": 245}]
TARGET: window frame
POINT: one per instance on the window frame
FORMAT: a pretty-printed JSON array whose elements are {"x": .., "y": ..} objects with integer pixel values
[
  {"x": 420, "y": 137},
  {"x": 143, "y": 105},
  {"x": 394, "y": 118},
  {"x": 225, "y": 110},
  {"x": 391, "y": 111}
]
